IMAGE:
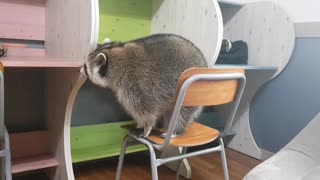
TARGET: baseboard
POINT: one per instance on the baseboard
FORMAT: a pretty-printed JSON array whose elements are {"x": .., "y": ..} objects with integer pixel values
[{"x": 265, "y": 154}]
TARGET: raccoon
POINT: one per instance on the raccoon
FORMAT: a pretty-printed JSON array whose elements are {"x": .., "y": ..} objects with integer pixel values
[{"x": 143, "y": 73}]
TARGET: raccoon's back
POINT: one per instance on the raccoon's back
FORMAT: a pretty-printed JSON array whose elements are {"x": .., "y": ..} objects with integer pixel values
[
  {"x": 170, "y": 49},
  {"x": 168, "y": 55}
]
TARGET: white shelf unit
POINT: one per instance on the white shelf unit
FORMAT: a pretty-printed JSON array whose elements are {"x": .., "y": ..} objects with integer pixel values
[
  {"x": 269, "y": 33},
  {"x": 43, "y": 77}
]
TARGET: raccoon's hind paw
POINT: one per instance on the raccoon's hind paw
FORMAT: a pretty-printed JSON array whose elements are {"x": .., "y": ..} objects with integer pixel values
[{"x": 163, "y": 135}]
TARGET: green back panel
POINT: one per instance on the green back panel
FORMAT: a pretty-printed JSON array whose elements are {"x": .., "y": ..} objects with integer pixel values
[
  {"x": 123, "y": 20},
  {"x": 120, "y": 20},
  {"x": 99, "y": 141}
]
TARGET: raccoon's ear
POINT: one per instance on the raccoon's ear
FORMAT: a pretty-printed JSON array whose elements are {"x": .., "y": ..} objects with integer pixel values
[{"x": 101, "y": 61}]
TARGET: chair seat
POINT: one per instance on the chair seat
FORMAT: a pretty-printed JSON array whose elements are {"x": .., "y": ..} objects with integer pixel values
[{"x": 195, "y": 134}]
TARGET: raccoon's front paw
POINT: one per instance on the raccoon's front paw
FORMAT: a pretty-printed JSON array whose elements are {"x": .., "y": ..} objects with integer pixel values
[
  {"x": 139, "y": 126},
  {"x": 146, "y": 132}
]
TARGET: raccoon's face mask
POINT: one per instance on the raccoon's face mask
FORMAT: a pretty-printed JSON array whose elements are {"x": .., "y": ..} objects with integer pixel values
[{"x": 96, "y": 68}]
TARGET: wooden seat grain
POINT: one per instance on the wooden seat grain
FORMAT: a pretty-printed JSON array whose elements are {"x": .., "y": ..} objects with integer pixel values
[
  {"x": 195, "y": 134},
  {"x": 1, "y": 67}
]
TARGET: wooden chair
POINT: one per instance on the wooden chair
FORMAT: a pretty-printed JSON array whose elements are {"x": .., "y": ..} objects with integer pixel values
[
  {"x": 196, "y": 87},
  {"x": 4, "y": 137}
]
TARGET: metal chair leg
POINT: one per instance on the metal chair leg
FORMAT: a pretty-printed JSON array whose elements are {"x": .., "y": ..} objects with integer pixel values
[
  {"x": 3, "y": 166},
  {"x": 184, "y": 150},
  {"x": 7, "y": 157},
  {"x": 121, "y": 157},
  {"x": 8, "y": 166},
  {"x": 154, "y": 165},
  {"x": 224, "y": 160}
]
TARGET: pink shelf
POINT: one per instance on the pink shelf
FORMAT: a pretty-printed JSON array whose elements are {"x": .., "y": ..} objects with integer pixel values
[
  {"x": 33, "y": 163},
  {"x": 39, "y": 61}
]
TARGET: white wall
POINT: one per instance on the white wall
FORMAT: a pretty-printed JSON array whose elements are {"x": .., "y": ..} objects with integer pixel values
[{"x": 299, "y": 10}]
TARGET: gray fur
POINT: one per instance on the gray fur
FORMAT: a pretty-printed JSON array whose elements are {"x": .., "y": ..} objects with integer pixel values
[{"x": 143, "y": 73}]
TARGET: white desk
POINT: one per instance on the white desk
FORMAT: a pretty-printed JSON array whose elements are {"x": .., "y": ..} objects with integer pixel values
[{"x": 243, "y": 140}]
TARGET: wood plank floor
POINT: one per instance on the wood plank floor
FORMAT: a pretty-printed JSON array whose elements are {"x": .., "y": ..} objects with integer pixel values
[{"x": 137, "y": 167}]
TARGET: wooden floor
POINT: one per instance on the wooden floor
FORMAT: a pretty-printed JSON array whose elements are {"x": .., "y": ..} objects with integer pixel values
[{"x": 137, "y": 167}]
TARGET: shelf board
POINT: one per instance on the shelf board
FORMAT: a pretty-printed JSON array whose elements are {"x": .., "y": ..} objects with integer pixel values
[
  {"x": 246, "y": 67},
  {"x": 32, "y": 163},
  {"x": 39, "y": 61},
  {"x": 104, "y": 151},
  {"x": 226, "y": 3},
  {"x": 99, "y": 141}
]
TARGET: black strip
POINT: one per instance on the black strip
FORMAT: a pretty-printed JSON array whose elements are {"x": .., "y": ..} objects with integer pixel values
[{"x": 85, "y": 70}]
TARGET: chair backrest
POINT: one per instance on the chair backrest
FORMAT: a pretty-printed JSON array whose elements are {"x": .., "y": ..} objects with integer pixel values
[
  {"x": 208, "y": 92},
  {"x": 205, "y": 87}
]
